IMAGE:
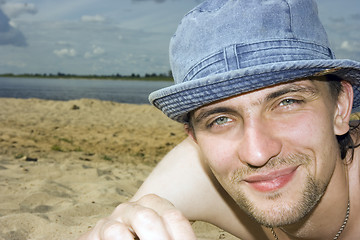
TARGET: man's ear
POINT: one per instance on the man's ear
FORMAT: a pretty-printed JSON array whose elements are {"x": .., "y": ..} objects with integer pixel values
[
  {"x": 190, "y": 131},
  {"x": 343, "y": 109}
]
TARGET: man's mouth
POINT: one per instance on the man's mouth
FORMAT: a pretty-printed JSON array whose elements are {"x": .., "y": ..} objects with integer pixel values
[{"x": 272, "y": 180}]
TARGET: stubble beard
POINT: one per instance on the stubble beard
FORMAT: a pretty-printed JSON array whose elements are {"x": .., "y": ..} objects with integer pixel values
[{"x": 282, "y": 211}]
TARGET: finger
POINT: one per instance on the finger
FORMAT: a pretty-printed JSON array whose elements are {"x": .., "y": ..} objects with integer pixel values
[
  {"x": 145, "y": 222},
  {"x": 175, "y": 222},
  {"x": 178, "y": 226},
  {"x": 113, "y": 230}
]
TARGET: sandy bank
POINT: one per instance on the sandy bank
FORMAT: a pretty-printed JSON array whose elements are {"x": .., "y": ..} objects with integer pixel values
[{"x": 64, "y": 165}]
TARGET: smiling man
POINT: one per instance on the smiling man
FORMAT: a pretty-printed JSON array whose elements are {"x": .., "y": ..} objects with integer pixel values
[
  {"x": 270, "y": 148},
  {"x": 271, "y": 154}
]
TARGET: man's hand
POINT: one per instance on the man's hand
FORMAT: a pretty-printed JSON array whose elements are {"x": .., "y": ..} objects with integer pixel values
[{"x": 149, "y": 218}]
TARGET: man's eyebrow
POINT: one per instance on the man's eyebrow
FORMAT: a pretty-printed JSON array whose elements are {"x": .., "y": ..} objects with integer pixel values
[
  {"x": 216, "y": 110},
  {"x": 203, "y": 113},
  {"x": 292, "y": 89}
]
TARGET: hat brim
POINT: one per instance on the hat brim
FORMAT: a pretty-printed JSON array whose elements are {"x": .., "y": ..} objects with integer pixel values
[{"x": 178, "y": 100}]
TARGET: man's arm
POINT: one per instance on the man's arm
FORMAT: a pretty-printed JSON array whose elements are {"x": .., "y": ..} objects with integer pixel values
[
  {"x": 180, "y": 188},
  {"x": 183, "y": 178}
]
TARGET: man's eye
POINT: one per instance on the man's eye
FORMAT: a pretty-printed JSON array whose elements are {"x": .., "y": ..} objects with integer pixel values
[
  {"x": 289, "y": 101},
  {"x": 221, "y": 120}
]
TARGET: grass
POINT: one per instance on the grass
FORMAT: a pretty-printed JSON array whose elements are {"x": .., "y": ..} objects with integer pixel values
[
  {"x": 56, "y": 148},
  {"x": 107, "y": 158}
]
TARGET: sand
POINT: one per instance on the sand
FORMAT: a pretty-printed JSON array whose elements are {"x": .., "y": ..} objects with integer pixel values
[{"x": 66, "y": 164}]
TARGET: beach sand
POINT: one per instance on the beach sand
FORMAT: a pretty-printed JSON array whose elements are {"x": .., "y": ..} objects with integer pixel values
[{"x": 66, "y": 164}]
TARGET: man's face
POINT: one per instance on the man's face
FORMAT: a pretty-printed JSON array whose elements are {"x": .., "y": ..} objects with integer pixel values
[{"x": 273, "y": 150}]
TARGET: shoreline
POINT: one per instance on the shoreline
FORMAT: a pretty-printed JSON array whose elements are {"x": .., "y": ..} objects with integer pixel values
[{"x": 92, "y": 77}]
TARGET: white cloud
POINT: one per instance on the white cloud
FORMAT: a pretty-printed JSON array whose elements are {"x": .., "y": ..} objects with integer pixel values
[
  {"x": 350, "y": 46},
  {"x": 345, "y": 45},
  {"x": 96, "y": 18},
  {"x": 12, "y": 24},
  {"x": 13, "y": 10},
  {"x": 65, "y": 52},
  {"x": 96, "y": 51}
]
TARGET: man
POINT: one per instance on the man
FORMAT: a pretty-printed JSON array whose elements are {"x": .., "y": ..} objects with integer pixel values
[{"x": 267, "y": 108}]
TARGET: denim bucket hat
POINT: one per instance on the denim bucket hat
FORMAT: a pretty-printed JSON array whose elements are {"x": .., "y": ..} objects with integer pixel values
[{"x": 223, "y": 48}]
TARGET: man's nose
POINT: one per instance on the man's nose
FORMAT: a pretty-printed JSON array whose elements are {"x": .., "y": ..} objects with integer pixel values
[{"x": 259, "y": 144}]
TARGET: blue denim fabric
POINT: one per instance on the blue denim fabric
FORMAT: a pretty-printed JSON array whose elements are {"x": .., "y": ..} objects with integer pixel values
[{"x": 224, "y": 48}]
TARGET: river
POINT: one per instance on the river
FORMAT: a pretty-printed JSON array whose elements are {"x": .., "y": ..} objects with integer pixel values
[{"x": 124, "y": 91}]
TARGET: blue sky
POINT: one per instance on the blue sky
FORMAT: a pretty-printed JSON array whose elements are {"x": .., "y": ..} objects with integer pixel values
[{"x": 122, "y": 36}]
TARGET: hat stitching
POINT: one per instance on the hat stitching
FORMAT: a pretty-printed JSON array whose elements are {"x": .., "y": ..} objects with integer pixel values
[{"x": 201, "y": 66}]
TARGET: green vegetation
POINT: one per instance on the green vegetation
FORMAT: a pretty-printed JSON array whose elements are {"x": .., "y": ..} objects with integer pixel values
[
  {"x": 107, "y": 158},
  {"x": 150, "y": 77},
  {"x": 57, "y": 148},
  {"x": 65, "y": 145},
  {"x": 19, "y": 155},
  {"x": 77, "y": 149},
  {"x": 66, "y": 140}
]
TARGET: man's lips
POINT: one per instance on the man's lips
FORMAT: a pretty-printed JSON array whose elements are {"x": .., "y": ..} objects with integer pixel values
[{"x": 272, "y": 180}]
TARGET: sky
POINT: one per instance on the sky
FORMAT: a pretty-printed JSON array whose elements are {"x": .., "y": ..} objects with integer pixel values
[{"x": 106, "y": 37}]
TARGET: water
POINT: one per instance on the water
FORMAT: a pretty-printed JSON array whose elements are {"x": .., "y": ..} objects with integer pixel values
[{"x": 124, "y": 91}]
